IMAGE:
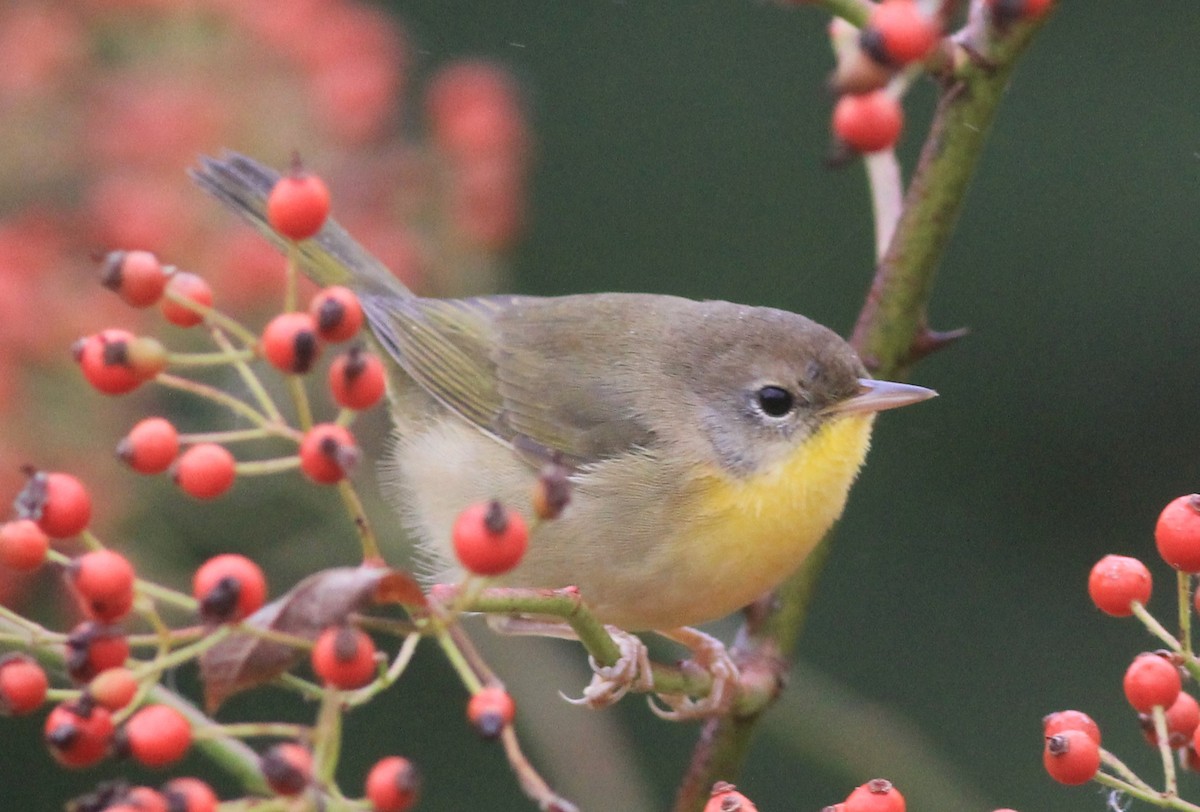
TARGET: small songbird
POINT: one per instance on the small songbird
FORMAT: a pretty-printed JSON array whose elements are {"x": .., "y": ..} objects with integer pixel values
[{"x": 709, "y": 445}]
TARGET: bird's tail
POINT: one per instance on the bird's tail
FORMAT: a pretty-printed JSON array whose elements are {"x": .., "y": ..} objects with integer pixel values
[{"x": 332, "y": 257}]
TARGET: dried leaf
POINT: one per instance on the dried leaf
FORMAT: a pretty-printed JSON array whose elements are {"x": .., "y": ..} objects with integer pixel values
[
  {"x": 397, "y": 586},
  {"x": 323, "y": 599}
]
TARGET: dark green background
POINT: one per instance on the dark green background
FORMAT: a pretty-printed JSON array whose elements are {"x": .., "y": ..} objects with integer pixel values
[{"x": 679, "y": 149}]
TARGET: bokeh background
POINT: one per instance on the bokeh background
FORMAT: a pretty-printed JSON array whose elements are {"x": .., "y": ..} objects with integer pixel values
[{"x": 672, "y": 147}]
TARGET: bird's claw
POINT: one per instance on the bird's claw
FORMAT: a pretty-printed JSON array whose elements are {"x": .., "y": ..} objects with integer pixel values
[
  {"x": 710, "y": 655},
  {"x": 631, "y": 672}
]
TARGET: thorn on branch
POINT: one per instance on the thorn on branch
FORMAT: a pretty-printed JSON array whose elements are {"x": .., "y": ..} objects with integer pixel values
[{"x": 930, "y": 341}]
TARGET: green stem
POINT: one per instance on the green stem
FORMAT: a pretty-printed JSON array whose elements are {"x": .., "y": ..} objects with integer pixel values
[
  {"x": 893, "y": 317},
  {"x": 1153, "y": 626},
  {"x": 328, "y": 737},
  {"x": 1149, "y": 796},
  {"x": 255, "y": 730},
  {"x": 250, "y": 378},
  {"x": 224, "y": 437},
  {"x": 358, "y": 515},
  {"x": 1183, "y": 583},
  {"x": 164, "y": 595},
  {"x": 230, "y": 754},
  {"x": 1171, "y": 786},
  {"x": 208, "y": 359},
  {"x": 180, "y": 655},
  {"x": 227, "y": 400},
  {"x": 271, "y": 466},
  {"x": 300, "y": 400},
  {"x": 216, "y": 320},
  {"x": 567, "y": 605},
  {"x": 389, "y": 677},
  {"x": 1118, "y": 766},
  {"x": 290, "y": 287}
]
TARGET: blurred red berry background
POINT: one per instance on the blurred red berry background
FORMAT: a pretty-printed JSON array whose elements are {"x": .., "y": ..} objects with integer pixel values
[{"x": 105, "y": 103}]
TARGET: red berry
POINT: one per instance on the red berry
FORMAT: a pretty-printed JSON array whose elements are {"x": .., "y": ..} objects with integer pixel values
[
  {"x": 491, "y": 710},
  {"x": 23, "y": 685},
  {"x": 103, "y": 580},
  {"x": 1116, "y": 581},
  {"x": 1182, "y": 718},
  {"x": 344, "y": 657},
  {"x": 1070, "y": 720},
  {"x": 1177, "y": 533},
  {"x": 337, "y": 313},
  {"x": 136, "y": 276},
  {"x": 393, "y": 785},
  {"x": 289, "y": 342},
  {"x": 298, "y": 205},
  {"x": 58, "y": 502},
  {"x": 287, "y": 767},
  {"x": 190, "y": 795},
  {"x": 328, "y": 453},
  {"x": 113, "y": 688},
  {"x": 104, "y": 360},
  {"x": 157, "y": 735},
  {"x": 357, "y": 379},
  {"x": 94, "y": 647},
  {"x": 868, "y": 122},
  {"x": 1071, "y": 757},
  {"x": 205, "y": 471},
  {"x": 1151, "y": 680},
  {"x": 229, "y": 587},
  {"x": 898, "y": 33},
  {"x": 23, "y": 545},
  {"x": 726, "y": 798},
  {"x": 150, "y": 447},
  {"x": 489, "y": 539},
  {"x": 78, "y": 733},
  {"x": 877, "y": 795},
  {"x": 192, "y": 288}
]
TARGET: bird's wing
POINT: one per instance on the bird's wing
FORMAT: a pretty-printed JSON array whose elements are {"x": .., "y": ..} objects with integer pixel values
[{"x": 517, "y": 368}]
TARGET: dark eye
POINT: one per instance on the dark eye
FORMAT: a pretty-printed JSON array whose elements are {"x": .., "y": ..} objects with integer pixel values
[{"x": 775, "y": 401}]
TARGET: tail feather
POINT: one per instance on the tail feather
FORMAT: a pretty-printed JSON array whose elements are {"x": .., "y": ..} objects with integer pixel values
[{"x": 332, "y": 257}]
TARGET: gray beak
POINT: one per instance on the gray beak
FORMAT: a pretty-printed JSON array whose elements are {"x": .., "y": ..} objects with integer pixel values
[{"x": 876, "y": 396}]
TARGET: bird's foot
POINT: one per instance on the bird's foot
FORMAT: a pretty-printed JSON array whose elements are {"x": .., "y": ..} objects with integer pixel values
[
  {"x": 631, "y": 672},
  {"x": 709, "y": 655}
]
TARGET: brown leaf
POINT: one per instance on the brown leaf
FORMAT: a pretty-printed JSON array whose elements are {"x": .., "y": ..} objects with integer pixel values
[
  {"x": 397, "y": 586},
  {"x": 323, "y": 599}
]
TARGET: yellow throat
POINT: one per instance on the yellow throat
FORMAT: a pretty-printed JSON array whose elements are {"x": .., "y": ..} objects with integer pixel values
[{"x": 758, "y": 530}]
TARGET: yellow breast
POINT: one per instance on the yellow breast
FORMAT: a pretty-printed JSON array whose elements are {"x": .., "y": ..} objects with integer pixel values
[{"x": 756, "y": 531}]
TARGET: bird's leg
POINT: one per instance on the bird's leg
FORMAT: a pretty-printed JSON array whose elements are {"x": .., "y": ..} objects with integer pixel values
[
  {"x": 709, "y": 655},
  {"x": 631, "y": 671},
  {"x": 619, "y": 660}
]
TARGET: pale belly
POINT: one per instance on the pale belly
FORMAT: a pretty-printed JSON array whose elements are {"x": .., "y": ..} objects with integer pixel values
[{"x": 681, "y": 547}]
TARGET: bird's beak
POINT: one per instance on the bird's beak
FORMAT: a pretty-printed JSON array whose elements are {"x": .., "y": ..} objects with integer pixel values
[{"x": 876, "y": 396}]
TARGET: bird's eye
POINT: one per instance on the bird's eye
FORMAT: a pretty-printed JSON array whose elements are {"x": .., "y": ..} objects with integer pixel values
[{"x": 775, "y": 401}]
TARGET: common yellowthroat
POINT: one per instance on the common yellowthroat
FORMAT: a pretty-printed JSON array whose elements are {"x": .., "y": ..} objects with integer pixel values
[{"x": 711, "y": 445}]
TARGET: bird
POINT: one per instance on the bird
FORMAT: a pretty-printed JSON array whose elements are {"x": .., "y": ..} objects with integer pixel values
[{"x": 709, "y": 445}]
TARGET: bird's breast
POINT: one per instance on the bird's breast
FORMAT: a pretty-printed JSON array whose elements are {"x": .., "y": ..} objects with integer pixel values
[{"x": 751, "y": 533}]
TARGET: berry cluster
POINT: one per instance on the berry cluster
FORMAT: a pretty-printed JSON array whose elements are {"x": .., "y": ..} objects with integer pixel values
[
  {"x": 876, "y": 62},
  {"x": 330, "y": 78},
  {"x": 1154, "y": 682},
  {"x": 114, "y": 704}
]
